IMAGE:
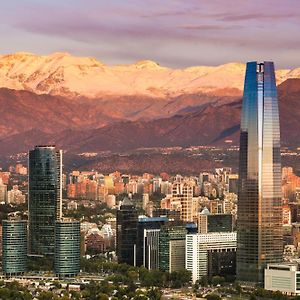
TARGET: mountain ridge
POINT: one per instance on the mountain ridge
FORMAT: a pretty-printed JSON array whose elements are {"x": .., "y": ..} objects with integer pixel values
[
  {"x": 62, "y": 74},
  {"x": 213, "y": 123}
]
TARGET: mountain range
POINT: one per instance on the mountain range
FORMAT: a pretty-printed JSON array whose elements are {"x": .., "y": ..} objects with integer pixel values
[
  {"x": 83, "y": 105},
  {"x": 65, "y": 75}
]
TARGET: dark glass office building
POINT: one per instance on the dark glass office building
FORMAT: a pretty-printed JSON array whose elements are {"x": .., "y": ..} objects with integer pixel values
[
  {"x": 127, "y": 220},
  {"x": 147, "y": 242},
  {"x": 14, "y": 247},
  {"x": 45, "y": 198},
  {"x": 67, "y": 248},
  {"x": 208, "y": 222},
  {"x": 259, "y": 222},
  {"x": 221, "y": 263},
  {"x": 172, "y": 248}
]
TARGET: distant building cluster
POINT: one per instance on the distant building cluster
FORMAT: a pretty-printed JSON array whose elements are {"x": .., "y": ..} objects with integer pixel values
[
  {"x": 167, "y": 244},
  {"x": 98, "y": 187},
  {"x": 12, "y": 190}
]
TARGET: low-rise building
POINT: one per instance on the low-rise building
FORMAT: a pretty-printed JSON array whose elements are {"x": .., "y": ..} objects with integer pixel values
[{"x": 283, "y": 277}]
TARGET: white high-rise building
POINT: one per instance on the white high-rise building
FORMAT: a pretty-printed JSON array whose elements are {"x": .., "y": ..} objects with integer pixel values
[{"x": 200, "y": 248}]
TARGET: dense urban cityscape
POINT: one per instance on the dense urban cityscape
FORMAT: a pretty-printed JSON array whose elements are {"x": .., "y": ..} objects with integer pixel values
[
  {"x": 220, "y": 234},
  {"x": 149, "y": 150}
]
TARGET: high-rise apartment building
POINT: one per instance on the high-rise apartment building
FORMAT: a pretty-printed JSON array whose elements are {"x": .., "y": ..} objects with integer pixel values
[
  {"x": 67, "y": 248},
  {"x": 211, "y": 254},
  {"x": 14, "y": 247},
  {"x": 259, "y": 221},
  {"x": 45, "y": 198},
  {"x": 127, "y": 220},
  {"x": 182, "y": 192}
]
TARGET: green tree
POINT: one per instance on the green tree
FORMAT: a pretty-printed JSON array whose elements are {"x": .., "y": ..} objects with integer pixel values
[
  {"x": 238, "y": 288},
  {"x": 75, "y": 295},
  {"x": 204, "y": 281},
  {"x": 218, "y": 280},
  {"x": 279, "y": 296},
  {"x": 213, "y": 297},
  {"x": 46, "y": 296},
  {"x": 152, "y": 278},
  {"x": 154, "y": 294},
  {"x": 179, "y": 278},
  {"x": 102, "y": 296}
]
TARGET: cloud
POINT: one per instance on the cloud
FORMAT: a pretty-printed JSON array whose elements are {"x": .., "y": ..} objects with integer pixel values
[
  {"x": 172, "y": 31},
  {"x": 257, "y": 16},
  {"x": 203, "y": 27}
]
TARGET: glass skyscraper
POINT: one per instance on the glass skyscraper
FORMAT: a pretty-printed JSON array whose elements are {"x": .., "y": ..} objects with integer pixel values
[
  {"x": 147, "y": 241},
  {"x": 45, "y": 198},
  {"x": 67, "y": 248},
  {"x": 14, "y": 247},
  {"x": 172, "y": 248},
  {"x": 259, "y": 222},
  {"x": 127, "y": 224}
]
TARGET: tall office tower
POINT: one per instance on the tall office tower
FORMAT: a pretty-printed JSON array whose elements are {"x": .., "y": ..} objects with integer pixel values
[
  {"x": 45, "y": 198},
  {"x": 259, "y": 221},
  {"x": 14, "y": 246},
  {"x": 67, "y": 248},
  {"x": 147, "y": 242},
  {"x": 172, "y": 248},
  {"x": 127, "y": 219}
]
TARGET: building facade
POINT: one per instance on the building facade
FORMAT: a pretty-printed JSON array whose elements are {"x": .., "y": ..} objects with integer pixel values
[
  {"x": 183, "y": 193},
  {"x": 283, "y": 277},
  {"x": 147, "y": 242},
  {"x": 14, "y": 247},
  {"x": 45, "y": 198},
  {"x": 172, "y": 248},
  {"x": 202, "y": 256},
  {"x": 67, "y": 248},
  {"x": 127, "y": 220},
  {"x": 208, "y": 222},
  {"x": 259, "y": 219},
  {"x": 151, "y": 249}
]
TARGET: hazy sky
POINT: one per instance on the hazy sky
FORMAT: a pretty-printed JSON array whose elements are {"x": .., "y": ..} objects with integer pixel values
[{"x": 172, "y": 32}]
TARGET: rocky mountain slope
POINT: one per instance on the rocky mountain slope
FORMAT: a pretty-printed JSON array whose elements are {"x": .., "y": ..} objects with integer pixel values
[
  {"x": 208, "y": 124},
  {"x": 22, "y": 111}
]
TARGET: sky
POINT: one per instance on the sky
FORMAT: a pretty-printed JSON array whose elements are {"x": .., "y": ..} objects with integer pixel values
[{"x": 174, "y": 33}]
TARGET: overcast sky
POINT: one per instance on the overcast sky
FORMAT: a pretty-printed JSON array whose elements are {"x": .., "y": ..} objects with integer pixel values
[{"x": 174, "y": 33}]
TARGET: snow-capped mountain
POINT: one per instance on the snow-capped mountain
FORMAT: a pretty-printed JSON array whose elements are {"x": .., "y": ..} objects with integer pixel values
[{"x": 66, "y": 75}]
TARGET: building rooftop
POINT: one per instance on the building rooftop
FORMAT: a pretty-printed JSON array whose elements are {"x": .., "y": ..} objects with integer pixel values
[
  {"x": 126, "y": 202},
  {"x": 205, "y": 211}
]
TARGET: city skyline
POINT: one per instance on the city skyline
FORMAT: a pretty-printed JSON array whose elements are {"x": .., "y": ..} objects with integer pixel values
[{"x": 149, "y": 149}]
